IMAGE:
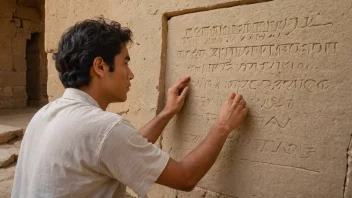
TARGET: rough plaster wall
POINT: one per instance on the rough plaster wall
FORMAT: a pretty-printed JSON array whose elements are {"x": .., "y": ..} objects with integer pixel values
[
  {"x": 18, "y": 19},
  {"x": 148, "y": 22}
]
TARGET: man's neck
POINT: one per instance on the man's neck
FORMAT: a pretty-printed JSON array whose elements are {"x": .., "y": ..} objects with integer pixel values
[{"x": 97, "y": 96}]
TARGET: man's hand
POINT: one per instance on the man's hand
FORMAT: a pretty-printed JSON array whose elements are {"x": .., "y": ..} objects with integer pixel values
[
  {"x": 176, "y": 95},
  {"x": 175, "y": 99},
  {"x": 232, "y": 112}
]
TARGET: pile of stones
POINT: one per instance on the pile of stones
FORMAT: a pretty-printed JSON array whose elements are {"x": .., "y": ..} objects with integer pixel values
[{"x": 10, "y": 142}]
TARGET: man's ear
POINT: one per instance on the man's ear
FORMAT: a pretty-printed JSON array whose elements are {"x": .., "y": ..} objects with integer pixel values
[{"x": 98, "y": 67}]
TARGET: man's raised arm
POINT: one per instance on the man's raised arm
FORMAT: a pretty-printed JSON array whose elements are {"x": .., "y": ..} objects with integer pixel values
[{"x": 175, "y": 100}]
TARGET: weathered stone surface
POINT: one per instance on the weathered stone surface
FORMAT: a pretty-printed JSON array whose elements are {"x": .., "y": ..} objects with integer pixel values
[
  {"x": 27, "y": 13},
  {"x": 19, "y": 47},
  {"x": 20, "y": 103},
  {"x": 8, "y": 133},
  {"x": 292, "y": 68},
  {"x": 6, "y": 45},
  {"x": 32, "y": 26},
  {"x": 6, "y": 180},
  {"x": 9, "y": 152},
  {"x": 19, "y": 64},
  {"x": 8, "y": 91},
  {"x": 23, "y": 34},
  {"x": 7, "y": 8},
  {"x": 6, "y": 158},
  {"x": 12, "y": 78},
  {"x": 6, "y": 63},
  {"x": 20, "y": 92}
]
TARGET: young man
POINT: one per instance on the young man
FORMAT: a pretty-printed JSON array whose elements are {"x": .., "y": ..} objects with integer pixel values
[{"x": 74, "y": 148}]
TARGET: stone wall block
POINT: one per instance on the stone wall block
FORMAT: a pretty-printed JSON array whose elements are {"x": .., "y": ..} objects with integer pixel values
[
  {"x": 20, "y": 64},
  {"x": 6, "y": 62},
  {"x": 6, "y": 104},
  {"x": 32, "y": 26},
  {"x": 20, "y": 92},
  {"x": 23, "y": 34},
  {"x": 19, "y": 47},
  {"x": 27, "y": 13},
  {"x": 8, "y": 29},
  {"x": 6, "y": 45},
  {"x": 7, "y": 8},
  {"x": 8, "y": 91},
  {"x": 12, "y": 78},
  {"x": 20, "y": 103}
]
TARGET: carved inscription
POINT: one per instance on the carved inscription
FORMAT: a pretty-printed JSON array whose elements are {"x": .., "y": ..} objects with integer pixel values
[
  {"x": 264, "y": 102},
  {"x": 273, "y": 102},
  {"x": 287, "y": 26},
  {"x": 277, "y": 147},
  {"x": 229, "y": 66},
  {"x": 266, "y": 50},
  {"x": 249, "y": 31},
  {"x": 308, "y": 85}
]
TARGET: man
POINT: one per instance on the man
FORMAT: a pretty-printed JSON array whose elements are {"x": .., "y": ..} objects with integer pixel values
[{"x": 74, "y": 148}]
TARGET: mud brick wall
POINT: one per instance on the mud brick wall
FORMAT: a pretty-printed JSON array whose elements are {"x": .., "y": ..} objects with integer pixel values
[{"x": 23, "y": 64}]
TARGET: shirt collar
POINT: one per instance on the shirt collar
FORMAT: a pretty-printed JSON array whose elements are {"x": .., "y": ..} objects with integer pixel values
[{"x": 78, "y": 95}]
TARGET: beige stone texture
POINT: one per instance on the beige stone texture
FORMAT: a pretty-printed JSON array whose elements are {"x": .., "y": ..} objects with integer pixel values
[
  {"x": 23, "y": 34},
  {"x": 20, "y": 92},
  {"x": 27, "y": 13},
  {"x": 12, "y": 78},
  {"x": 20, "y": 103},
  {"x": 9, "y": 152},
  {"x": 6, "y": 45},
  {"x": 7, "y": 91},
  {"x": 32, "y": 26},
  {"x": 19, "y": 47},
  {"x": 18, "y": 118},
  {"x": 6, "y": 180},
  {"x": 7, "y": 155},
  {"x": 7, "y": 8},
  {"x": 291, "y": 60},
  {"x": 6, "y": 62},
  {"x": 8, "y": 133},
  {"x": 19, "y": 64}
]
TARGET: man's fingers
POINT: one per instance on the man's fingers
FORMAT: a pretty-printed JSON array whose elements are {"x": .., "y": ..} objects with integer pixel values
[
  {"x": 182, "y": 81},
  {"x": 231, "y": 96},
  {"x": 237, "y": 98},
  {"x": 242, "y": 103},
  {"x": 184, "y": 92}
]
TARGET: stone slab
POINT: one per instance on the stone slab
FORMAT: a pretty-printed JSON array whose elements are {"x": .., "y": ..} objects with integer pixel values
[
  {"x": 9, "y": 152},
  {"x": 291, "y": 59},
  {"x": 8, "y": 133}
]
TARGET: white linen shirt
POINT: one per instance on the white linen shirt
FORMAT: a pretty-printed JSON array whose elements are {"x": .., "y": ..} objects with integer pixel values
[{"x": 72, "y": 148}]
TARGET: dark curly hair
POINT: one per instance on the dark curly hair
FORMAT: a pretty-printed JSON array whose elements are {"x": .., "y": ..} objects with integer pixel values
[{"x": 82, "y": 43}]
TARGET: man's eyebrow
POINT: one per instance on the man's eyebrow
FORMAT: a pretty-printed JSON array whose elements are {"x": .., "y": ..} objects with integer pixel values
[{"x": 127, "y": 58}]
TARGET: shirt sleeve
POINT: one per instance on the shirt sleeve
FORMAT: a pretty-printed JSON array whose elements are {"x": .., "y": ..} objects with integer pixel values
[{"x": 131, "y": 159}]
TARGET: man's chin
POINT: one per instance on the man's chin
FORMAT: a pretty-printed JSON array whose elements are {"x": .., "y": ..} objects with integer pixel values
[{"x": 121, "y": 99}]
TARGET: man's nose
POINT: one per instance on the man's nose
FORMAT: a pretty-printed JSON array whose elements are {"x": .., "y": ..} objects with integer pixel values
[{"x": 131, "y": 75}]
